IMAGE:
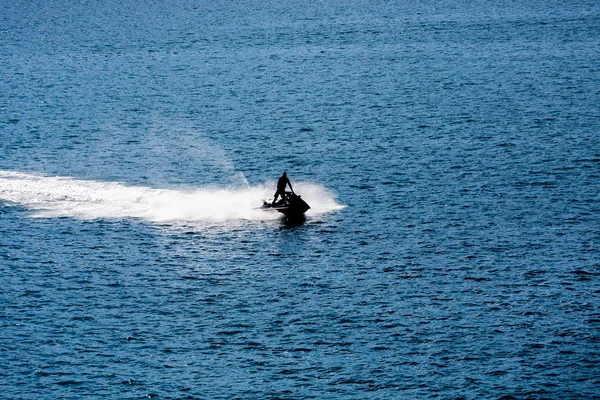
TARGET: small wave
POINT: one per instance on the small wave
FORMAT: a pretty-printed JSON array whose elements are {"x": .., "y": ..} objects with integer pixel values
[{"x": 51, "y": 197}]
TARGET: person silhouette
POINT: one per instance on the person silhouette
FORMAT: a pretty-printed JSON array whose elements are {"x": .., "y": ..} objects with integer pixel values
[{"x": 281, "y": 184}]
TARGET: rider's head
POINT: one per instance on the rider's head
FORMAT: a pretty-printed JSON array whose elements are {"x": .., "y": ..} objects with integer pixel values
[{"x": 284, "y": 174}]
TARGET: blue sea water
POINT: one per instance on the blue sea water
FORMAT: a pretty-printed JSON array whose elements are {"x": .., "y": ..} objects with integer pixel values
[{"x": 450, "y": 151}]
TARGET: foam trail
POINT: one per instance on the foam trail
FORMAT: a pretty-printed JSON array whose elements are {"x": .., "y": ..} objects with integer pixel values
[{"x": 50, "y": 197}]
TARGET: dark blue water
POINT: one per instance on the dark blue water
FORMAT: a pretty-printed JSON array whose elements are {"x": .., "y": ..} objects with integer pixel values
[{"x": 450, "y": 152}]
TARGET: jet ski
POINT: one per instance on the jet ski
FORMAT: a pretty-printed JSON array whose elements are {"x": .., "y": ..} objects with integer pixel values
[{"x": 291, "y": 205}]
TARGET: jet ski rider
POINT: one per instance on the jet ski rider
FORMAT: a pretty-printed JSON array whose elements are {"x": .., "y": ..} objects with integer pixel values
[{"x": 281, "y": 184}]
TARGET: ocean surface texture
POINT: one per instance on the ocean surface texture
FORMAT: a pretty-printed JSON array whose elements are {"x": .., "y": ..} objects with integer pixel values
[{"x": 450, "y": 151}]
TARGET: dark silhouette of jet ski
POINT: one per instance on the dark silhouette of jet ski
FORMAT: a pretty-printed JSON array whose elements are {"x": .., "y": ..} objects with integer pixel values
[{"x": 291, "y": 205}]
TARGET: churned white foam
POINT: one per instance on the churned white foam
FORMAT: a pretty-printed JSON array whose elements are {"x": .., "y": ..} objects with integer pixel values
[{"x": 68, "y": 197}]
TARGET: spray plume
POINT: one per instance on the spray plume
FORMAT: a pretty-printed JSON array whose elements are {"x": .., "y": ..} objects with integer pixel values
[{"x": 50, "y": 197}]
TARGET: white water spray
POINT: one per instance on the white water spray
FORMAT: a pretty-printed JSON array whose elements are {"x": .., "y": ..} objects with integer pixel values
[{"x": 50, "y": 197}]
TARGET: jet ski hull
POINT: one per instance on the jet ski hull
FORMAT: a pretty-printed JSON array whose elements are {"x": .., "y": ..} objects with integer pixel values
[{"x": 291, "y": 206}]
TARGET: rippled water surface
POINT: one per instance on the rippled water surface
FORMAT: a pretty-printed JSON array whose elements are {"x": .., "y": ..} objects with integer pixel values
[{"x": 450, "y": 152}]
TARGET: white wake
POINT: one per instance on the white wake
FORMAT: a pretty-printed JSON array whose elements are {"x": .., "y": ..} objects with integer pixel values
[{"x": 50, "y": 197}]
